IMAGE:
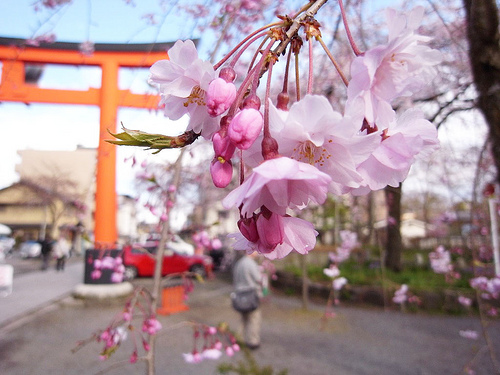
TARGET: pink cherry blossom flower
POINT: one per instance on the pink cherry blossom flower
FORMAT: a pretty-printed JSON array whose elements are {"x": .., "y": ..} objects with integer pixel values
[
  {"x": 245, "y": 127},
  {"x": 116, "y": 277},
  {"x": 469, "y": 334},
  {"x": 339, "y": 283},
  {"x": 96, "y": 274},
  {"x": 216, "y": 244},
  {"x": 183, "y": 80},
  {"x": 151, "y": 326},
  {"x": 194, "y": 357},
  {"x": 400, "y": 294},
  {"x": 333, "y": 271},
  {"x": 312, "y": 132},
  {"x": 397, "y": 68},
  {"x": 87, "y": 48},
  {"x": 220, "y": 96},
  {"x": 298, "y": 235},
  {"x": 229, "y": 351},
  {"x": 278, "y": 184},
  {"x": 440, "y": 260},
  {"x": 407, "y": 138},
  {"x": 211, "y": 354},
  {"x": 464, "y": 301}
]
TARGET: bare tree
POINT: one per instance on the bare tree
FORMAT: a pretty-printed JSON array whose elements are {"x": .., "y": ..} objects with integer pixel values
[{"x": 484, "y": 54}]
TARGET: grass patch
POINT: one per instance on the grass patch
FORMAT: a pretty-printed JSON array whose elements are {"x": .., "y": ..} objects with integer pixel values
[{"x": 370, "y": 273}]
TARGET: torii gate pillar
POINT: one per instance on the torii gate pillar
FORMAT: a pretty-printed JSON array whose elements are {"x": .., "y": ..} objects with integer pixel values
[
  {"x": 105, "y": 231},
  {"x": 110, "y": 57}
]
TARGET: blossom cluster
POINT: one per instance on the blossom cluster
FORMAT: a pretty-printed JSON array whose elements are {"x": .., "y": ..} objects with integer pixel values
[
  {"x": 302, "y": 152},
  {"x": 216, "y": 341},
  {"x": 113, "y": 264},
  {"x": 203, "y": 241},
  {"x": 490, "y": 288},
  {"x": 123, "y": 326}
]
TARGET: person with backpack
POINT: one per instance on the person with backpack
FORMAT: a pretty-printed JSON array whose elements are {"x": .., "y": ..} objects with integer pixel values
[{"x": 247, "y": 283}]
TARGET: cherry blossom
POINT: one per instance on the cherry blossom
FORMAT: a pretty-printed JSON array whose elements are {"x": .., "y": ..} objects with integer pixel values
[
  {"x": 440, "y": 260},
  {"x": 312, "y": 132},
  {"x": 278, "y": 184},
  {"x": 407, "y": 138},
  {"x": 397, "y": 68},
  {"x": 400, "y": 296},
  {"x": 339, "y": 283},
  {"x": 333, "y": 271},
  {"x": 183, "y": 80}
]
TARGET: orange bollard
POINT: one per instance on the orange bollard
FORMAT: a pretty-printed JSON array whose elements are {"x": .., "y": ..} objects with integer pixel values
[{"x": 172, "y": 300}]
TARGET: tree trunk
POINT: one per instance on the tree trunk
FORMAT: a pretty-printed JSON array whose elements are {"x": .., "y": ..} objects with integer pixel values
[
  {"x": 394, "y": 243},
  {"x": 484, "y": 54}
]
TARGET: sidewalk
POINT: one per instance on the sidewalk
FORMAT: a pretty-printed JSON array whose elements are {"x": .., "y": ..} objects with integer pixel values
[{"x": 36, "y": 290}]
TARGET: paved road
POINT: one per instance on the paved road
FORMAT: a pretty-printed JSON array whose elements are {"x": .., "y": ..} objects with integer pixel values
[{"x": 355, "y": 341}]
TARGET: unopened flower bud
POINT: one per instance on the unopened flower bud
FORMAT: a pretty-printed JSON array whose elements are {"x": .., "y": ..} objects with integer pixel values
[
  {"x": 271, "y": 230},
  {"x": 283, "y": 100},
  {"x": 248, "y": 229},
  {"x": 223, "y": 146},
  {"x": 251, "y": 101},
  {"x": 245, "y": 128},
  {"x": 220, "y": 95},
  {"x": 227, "y": 74},
  {"x": 221, "y": 171}
]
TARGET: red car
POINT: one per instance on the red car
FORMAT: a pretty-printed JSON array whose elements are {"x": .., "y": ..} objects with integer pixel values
[{"x": 139, "y": 260}]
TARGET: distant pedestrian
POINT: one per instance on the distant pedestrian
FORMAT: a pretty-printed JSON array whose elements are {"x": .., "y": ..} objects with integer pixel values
[
  {"x": 61, "y": 252},
  {"x": 248, "y": 277},
  {"x": 47, "y": 244}
]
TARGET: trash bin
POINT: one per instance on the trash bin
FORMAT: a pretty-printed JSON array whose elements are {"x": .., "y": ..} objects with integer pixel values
[{"x": 103, "y": 266}]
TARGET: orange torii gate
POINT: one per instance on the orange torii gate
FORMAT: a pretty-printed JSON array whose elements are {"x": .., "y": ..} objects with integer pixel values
[{"x": 110, "y": 57}]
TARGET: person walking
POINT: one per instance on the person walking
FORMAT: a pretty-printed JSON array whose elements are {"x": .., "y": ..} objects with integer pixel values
[
  {"x": 46, "y": 251},
  {"x": 247, "y": 276},
  {"x": 61, "y": 252}
]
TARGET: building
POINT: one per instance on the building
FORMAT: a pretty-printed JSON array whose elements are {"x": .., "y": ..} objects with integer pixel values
[{"x": 57, "y": 190}]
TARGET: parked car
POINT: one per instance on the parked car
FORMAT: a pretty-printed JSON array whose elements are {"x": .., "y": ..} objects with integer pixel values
[
  {"x": 139, "y": 260},
  {"x": 176, "y": 243},
  {"x": 30, "y": 249}
]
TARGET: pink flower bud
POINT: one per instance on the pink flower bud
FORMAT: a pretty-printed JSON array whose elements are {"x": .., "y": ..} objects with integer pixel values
[
  {"x": 223, "y": 146},
  {"x": 248, "y": 229},
  {"x": 133, "y": 357},
  {"x": 229, "y": 351},
  {"x": 245, "y": 128},
  {"x": 221, "y": 171},
  {"x": 220, "y": 96},
  {"x": 271, "y": 230},
  {"x": 227, "y": 74}
]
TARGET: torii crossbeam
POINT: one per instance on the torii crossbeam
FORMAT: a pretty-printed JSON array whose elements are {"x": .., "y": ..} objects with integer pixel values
[{"x": 110, "y": 57}]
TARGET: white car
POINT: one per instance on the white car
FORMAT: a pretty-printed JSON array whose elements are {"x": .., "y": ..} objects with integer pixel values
[
  {"x": 180, "y": 246},
  {"x": 30, "y": 249}
]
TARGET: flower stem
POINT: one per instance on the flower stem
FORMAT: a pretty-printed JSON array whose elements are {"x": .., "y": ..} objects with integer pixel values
[
  {"x": 355, "y": 48},
  {"x": 258, "y": 31},
  {"x": 332, "y": 59}
]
